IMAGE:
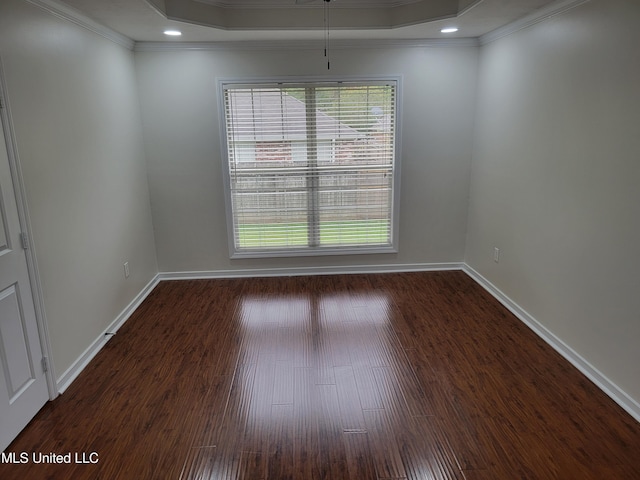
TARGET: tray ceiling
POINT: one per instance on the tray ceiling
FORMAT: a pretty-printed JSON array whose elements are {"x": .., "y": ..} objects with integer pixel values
[{"x": 252, "y": 20}]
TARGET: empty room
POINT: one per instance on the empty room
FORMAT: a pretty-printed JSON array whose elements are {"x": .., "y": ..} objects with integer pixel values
[{"x": 320, "y": 239}]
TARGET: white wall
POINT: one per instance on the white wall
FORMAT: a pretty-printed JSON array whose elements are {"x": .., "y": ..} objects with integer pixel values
[
  {"x": 178, "y": 92},
  {"x": 556, "y": 180},
  {"x": 74, "y": 105}
]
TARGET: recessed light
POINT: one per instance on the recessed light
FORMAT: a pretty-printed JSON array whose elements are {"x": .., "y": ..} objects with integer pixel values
[
  {"x": 449, "y": 30},
  {"x": 173, "y": 33}
]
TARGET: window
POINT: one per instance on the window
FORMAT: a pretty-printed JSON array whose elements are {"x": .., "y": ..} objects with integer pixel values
[{"x": 311, "y": 168}]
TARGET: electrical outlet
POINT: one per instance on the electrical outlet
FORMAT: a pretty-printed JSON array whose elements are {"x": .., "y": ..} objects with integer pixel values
[
  {"x": 496, "y": 254},
  {"x": 126, "y": 269}
]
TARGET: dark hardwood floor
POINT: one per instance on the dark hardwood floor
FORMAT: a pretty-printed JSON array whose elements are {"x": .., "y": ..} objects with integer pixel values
[{"x": 416, "y": 376}]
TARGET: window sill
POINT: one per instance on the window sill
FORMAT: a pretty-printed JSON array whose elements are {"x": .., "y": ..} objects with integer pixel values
[{"x": 313, "y": 252}]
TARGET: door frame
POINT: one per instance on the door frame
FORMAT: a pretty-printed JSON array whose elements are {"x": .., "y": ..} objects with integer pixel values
[{"x": 25, "y": 226}]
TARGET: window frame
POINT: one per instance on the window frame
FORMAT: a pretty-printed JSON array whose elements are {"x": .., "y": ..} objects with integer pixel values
[{"x": 234, "y": 253}]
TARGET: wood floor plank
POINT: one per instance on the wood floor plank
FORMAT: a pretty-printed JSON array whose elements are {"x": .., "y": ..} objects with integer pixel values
[
  {"x": 349, "y": 405},
  {"x": 359, "y": 455},
  {"x": 381, "y": 427},
  {"x": 390, "y": 376},
  {"x": 280, "y": 446},
  {"x": 421, "y": 434}
]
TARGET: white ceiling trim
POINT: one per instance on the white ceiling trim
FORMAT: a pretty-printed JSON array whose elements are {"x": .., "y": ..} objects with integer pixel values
[
  {"x": 257, "y": 4},
  {"x": 305, "y": 45},
  {"x": 471, "y": 6},
  {"x": 556, "y": 8},
  {"x": 74, "y": 16}
]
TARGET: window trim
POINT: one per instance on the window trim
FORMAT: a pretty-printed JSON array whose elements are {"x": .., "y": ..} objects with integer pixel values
[{"x": 392, "y": 248}]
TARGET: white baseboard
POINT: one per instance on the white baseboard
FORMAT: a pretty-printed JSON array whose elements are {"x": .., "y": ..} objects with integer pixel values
[
  {"x": 321, "y": 270},
  {"x": 592, "y": 373},
  {"x": 601, "y": 381},
  {"x": 74, "y": 370}
]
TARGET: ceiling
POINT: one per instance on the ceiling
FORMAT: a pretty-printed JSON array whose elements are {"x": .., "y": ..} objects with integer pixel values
[{"x": 271, "y": 20}]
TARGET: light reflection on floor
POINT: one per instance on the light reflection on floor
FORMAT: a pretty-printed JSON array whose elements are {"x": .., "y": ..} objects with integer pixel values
[
  {"x": 327, "y": 335},
  {"x": 320, "y": 369}
]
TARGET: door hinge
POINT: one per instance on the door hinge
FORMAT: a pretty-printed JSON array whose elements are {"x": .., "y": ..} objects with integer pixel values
[
  {"x": 45, "y": 364},
  {"x": 24, "y": 240}
]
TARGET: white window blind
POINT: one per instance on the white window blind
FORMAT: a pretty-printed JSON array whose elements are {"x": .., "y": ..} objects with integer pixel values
[{"x": 310, "y": 166}]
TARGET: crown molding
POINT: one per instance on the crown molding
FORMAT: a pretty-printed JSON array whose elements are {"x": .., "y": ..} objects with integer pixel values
[
  {"x": 256, "y": 4},
  {"x": 74, "y": 16},
  {"x": 305, "y": 45},
  {"x": 551, "y": 10}
]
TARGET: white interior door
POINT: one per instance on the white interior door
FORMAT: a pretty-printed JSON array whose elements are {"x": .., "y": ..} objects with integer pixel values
[{"x": 23, "y": 384}]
